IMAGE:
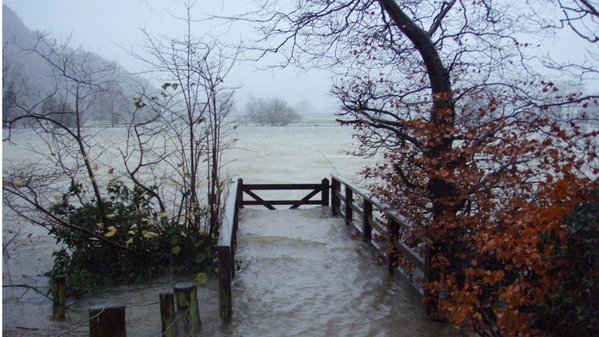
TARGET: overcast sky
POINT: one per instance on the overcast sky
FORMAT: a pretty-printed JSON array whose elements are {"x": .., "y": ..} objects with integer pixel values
[{"x": 106, "y": 27}]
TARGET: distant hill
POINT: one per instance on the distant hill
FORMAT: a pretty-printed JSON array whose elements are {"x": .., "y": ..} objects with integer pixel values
[{"x": 29, "y": 77}]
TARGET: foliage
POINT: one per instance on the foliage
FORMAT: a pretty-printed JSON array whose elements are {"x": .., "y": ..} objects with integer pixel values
[
  {"x": 270, "y": 111},
  {"x": 191, "y": 127},
  {"x": 153, "y": 243},
  {"x": 572, "y": 309},
  {"x": 162, "y": 217},
  {"x": 477, "y": 149}
]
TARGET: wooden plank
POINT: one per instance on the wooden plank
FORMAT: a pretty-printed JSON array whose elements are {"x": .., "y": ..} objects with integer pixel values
[
  {"x": 224, "y": 282},
  {"x": 107, "y": 321},
  {"x": 228, "y": 224},
  {"x": 282, "y": 202},
  {"x": 366, "y": 216},
  {"x": 412, "y": 256},
  {"x": 307, "y": 198},
  {"x": 325, "y": 192},
  {"x": 377, "y": 226},
  {"x": 357, "y": 210},
  {"x": 280, "y": 187},
  {"x": 259, "y": 201},
  {"x": 338, "y": 195},
  {"x": 335, "y": 186},
  {"x": 348, "y": 206},
  {"x": 393, "y": 237}
]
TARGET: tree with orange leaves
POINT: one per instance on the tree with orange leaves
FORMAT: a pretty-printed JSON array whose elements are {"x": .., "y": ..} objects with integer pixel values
[{"x": 478, "y": 150}]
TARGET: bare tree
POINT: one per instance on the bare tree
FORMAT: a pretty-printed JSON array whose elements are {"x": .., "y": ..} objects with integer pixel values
[
  {"x": 189, "y": 126},
  {"x": 270, "y": 111},
  {"x": 59, "y": 117},
  {"x": 112, "y": 105}
]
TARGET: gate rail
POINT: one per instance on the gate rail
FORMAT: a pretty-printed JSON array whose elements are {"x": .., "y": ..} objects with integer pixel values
[{"x": 363, "y": 217}]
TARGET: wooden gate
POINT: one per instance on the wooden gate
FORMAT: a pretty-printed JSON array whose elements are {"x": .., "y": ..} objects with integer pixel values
[{"x": 250, "y": 190}]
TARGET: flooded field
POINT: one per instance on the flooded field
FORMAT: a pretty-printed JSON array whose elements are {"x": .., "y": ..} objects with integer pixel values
[{"x": 294, "y": 154}]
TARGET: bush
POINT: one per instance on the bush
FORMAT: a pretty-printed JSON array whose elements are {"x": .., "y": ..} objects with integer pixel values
[
  {"x": 271, "y": 111},
  {"x": 574, "y": 309},
  {"x": 132, "y": 222}
]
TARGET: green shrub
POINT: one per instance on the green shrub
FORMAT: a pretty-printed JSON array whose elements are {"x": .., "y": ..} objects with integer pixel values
[
  {"x": 574, "y": 309},
  {"x": 156, "y": 242}
]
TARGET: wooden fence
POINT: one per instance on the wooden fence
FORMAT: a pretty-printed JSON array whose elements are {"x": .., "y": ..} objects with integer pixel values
[
  {"x": 321, "y": 189},
  {"x": 227, "y": 241},
  {"x": 359, "y": 208},
  {"x": 360, "y": 212}
]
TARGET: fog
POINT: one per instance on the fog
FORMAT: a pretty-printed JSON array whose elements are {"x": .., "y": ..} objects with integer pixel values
[{"x": 112, "y": 29}]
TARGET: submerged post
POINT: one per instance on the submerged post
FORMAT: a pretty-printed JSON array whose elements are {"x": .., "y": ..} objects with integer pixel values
[
  {"x": 107, "y": 321},
  {"x": 366, "y": 216},
  {"x": 392, "y": 252},
  {"x": 240, "y": 193},
  {"x": 325, "y": 192},
  {"x": 224, "y": 282},
  {"x": 168, "y": 315},
  {"x": 188, "y": 312},
  {"x": 335, "y": 190},
  {"x": 349, "y": 200},
  {"x": 59, "y": 308}
]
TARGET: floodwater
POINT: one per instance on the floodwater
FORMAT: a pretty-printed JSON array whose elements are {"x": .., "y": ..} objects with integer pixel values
[
  {"x": 285, "y": 293},
  {"x": 301, "y": 274}
]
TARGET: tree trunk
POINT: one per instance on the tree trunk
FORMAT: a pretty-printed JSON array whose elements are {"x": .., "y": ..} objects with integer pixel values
[{"x": 443, "y": 110}]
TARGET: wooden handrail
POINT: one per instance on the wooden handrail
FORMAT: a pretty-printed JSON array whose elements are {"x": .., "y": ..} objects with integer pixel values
[
  {"x": 343, "y": 204},
  {"x": 227, "y": 242}
]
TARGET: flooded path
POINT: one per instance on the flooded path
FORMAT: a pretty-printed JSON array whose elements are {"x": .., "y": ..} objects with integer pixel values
[{"x": 301, "y": 274}]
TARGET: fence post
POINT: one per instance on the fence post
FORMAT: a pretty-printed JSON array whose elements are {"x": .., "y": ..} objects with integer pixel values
[
  {"x": 238, "y": 204},
  {"x": 224, "y": 282},
  {"x": 349, "y": 211},
  {"x": 430, "y": 249},
  {"x": 59, "y": 308},
  {"x": 325, "y": 192},
  {"x": 366, "y": 216},
  {"x": 392, "y": 253},
  {"x": 335, "y": 189},
  {"x": 107, "y": 321},
  {"x": 240, "y": 193},
  {"x": 168, "y": 315},
  {"x": 186, "y": 297}
]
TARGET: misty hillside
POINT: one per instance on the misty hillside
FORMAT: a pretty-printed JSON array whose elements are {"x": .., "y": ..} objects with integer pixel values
[{"x": 28, "y": 79}]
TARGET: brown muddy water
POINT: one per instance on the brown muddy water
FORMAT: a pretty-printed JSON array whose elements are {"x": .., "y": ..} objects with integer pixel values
[{"x": 300, "y": 272}]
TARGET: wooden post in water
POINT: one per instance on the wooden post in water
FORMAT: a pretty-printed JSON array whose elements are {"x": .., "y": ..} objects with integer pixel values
[
  {"x": 240, "y": 192},
  {"x": 429, "y": 276},
  {"x": 366, "y": 216},
  {"x": 107, "y": 321},
  {"x": 224, "y": 282},
  {"x": 59, "y": 308},
  {"x": 186, "y": 297},
  {"x": 168, "y": 315},
  {"x": 349, "y": 200},
  {"x": 325, "y": 192},
  {"x": 335, "y": 189},
  {"x": 392, "y": 253}
]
